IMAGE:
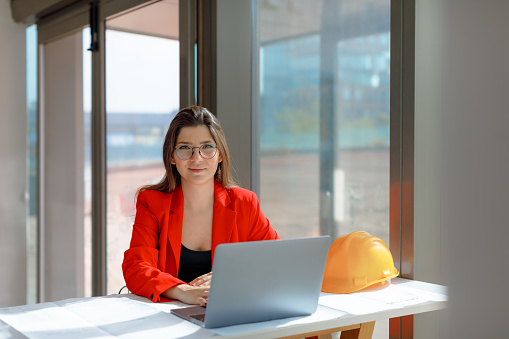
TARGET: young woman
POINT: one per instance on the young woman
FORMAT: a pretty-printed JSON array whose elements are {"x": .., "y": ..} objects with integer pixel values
[{"x": 195, "y": 207}]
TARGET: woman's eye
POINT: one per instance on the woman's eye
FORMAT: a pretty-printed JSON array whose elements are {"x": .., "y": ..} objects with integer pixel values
[
  {"x": 184, "y": 148},
  {"x": 208, "y": 146}
]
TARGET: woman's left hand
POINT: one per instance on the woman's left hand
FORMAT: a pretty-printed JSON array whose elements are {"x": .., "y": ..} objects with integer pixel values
[{"x": 203, "y": 280}]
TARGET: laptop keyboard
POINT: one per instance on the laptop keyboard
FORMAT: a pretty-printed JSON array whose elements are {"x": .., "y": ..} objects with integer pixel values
[{"x": 200, "y": 316}]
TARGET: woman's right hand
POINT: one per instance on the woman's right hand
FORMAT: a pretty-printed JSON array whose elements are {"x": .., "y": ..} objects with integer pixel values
[
  {"x": 203, "y": 280},
  {"x": 192, "y": 295}
]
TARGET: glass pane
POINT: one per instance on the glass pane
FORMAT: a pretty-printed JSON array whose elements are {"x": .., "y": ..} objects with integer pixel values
[
  {"x": 324, "y": 117},
  {"x": 362, "y": 130},
  {"x": 87, "y": 170},
  {"x": 142, "y": 96},
  {"x": 32, "y": 164}
]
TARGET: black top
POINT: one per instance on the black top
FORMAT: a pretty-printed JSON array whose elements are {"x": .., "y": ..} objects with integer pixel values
[{"x": 193, "y": 263}]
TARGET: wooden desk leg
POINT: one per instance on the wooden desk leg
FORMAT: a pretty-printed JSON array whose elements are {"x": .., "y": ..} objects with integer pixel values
[
  {"x": 364, "y": 332},
  {"x": 321, "y": 336},
  {"x": 326, "y": 334}
]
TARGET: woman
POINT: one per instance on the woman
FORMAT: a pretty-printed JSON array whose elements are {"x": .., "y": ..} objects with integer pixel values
[{"x": 195, "y": 207}]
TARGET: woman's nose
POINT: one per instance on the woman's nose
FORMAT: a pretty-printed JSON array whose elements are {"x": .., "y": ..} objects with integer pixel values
[{"x": 196, "y": 154}]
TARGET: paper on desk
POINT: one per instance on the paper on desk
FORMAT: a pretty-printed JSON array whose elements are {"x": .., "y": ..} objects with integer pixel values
[
  {"x": 424, "y": 294},
  {"x": 105, "y": 310},
  {"x": 48, "y": 320},
  {"x": 379, "y": 299},
  {"x": 7, "y": 331},
  {"x": 395, "y": 296},
  {"x": 115, "y": 316},
  {"x": 401, "y": 296},
  {"x": 130, "y": 317},
  {"x": 352, "y": 304}
]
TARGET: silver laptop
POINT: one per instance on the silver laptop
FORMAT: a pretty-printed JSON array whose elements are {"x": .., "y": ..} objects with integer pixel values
[{"x": 262, "y": 280}]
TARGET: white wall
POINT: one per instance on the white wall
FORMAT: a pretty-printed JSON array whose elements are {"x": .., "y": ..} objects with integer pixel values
[
  {"x": 462, "y": 164},
  {"x": 12, "y": 159}
]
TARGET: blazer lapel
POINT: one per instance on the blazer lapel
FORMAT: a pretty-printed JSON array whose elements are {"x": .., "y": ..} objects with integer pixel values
[
  {"x": 175, "y": 223},
  {"x": 224, "y": 220}
]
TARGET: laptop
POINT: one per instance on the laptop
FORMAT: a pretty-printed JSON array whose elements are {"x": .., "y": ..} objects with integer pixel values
[{"x": 262, "y": 280}]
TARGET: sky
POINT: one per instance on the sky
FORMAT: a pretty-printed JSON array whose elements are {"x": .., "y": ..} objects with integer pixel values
[{"x": 142, "y": 73}]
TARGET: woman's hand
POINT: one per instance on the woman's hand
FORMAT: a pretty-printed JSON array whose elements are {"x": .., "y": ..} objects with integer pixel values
[
  {"x": 203, "y": 280},
  {"x": 192, "y": 295}
]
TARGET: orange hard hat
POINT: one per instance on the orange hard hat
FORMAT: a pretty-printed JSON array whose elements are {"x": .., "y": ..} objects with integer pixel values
[{"x": 355, "y": 261}]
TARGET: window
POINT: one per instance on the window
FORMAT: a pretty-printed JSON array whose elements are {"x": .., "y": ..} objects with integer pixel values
[
  {"x": 324, "y": 116},
  {"x": 142, "y": 96},
  {"x": 141, "y": 67},
  {"x": 32, "y": 164}
]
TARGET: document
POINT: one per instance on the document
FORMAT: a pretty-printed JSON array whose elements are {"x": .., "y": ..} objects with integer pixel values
[
  {"x": 48, "y": 320},
  {"x": 379, "y": 298}
]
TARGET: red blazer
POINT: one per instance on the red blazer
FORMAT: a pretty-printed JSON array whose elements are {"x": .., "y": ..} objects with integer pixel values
[{"x": 151, "y": 263}]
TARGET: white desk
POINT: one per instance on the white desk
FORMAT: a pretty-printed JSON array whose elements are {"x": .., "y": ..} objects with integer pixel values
[{"x": 131, "y": 316}]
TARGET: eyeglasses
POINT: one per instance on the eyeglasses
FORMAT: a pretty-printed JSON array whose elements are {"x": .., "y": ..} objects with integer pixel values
[{"x": 185, "y": 152}]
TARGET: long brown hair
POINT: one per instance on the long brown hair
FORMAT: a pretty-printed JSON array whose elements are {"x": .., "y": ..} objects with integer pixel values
[{"x": 190, "y": 117}]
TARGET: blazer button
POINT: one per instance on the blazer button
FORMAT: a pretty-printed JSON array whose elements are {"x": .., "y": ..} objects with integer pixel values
[{"x": 151, "y": 296}]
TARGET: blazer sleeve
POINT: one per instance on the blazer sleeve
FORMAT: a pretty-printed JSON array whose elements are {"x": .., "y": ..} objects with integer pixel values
[
  {"x": 140, "y": 265},
  {"x": 260, "y": 228}
]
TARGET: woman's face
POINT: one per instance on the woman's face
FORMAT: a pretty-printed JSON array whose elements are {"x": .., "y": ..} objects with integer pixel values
[{"x": 197, "y": 170}]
